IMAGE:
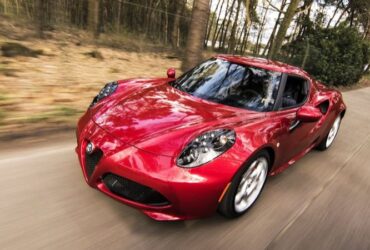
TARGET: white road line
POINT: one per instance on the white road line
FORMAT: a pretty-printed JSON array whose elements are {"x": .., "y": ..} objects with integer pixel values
[{"x": 38, "y": 153}]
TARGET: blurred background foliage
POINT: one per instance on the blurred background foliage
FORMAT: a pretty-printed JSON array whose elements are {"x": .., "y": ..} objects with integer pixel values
[
  {"x": 56, "y": 54},
  {"x": 337, "y": 56}
]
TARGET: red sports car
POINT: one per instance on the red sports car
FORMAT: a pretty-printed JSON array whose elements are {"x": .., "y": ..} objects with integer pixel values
[{"x": 183, "y": 148}]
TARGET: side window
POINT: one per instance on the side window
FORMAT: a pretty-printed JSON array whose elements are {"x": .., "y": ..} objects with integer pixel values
[{"x": 295, "y": 92}]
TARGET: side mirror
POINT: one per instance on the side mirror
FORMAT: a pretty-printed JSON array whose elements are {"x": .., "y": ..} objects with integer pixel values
[
  {"x": 309, "y": 114},
  {"x": 171, "y": 73}
]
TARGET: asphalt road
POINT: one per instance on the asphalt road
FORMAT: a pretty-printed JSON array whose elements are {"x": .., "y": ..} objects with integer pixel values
[{"x": 321, "y": 202}]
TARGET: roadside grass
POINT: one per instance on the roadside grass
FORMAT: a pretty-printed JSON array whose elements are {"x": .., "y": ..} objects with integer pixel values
[
  {"x": 6, "y": 70},
  {"x": 36, "y": 118},
  {"x": 13, "y": 49},
  {"x": 2, "y": 116},
  {"x": 3, "y": 98},
  {"x": 54, "y": 88},
  {"x": 114, "y": 70},
  {"x": 66, "y": 112},
  {"x": 58, "y": 114}
]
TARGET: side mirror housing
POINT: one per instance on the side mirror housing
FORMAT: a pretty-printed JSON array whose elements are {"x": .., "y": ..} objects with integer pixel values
[
  {"x": 171, "y": 73},
  {"x": 309, "y": 114}
]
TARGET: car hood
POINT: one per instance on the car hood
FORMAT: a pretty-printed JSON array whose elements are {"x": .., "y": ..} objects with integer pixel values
[{"x": 161, "y": 119}]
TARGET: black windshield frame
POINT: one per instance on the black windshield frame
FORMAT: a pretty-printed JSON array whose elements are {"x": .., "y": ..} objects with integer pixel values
[{"x": 267, "y": 81}]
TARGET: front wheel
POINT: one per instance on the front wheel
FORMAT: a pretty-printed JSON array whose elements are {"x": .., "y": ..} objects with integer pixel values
[
  {"x": 329, "y": 139},
  {"x": 246, "y": 186}
]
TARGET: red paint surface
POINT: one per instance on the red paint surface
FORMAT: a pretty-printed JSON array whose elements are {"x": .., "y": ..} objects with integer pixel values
[{"x": 145, "y": 124}]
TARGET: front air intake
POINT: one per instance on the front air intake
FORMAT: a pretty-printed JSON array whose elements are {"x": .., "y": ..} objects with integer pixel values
[{"x": 133, "y": 191}]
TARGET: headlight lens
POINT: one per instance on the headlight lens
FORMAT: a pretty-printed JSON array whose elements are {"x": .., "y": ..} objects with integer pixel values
[
  {"x": 108, "y": 89},
  {"x": 206, "y": 147}
]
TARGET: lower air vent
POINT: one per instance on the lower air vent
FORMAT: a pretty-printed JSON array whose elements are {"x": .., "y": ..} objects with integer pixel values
[{"x": 133, "y": 191}]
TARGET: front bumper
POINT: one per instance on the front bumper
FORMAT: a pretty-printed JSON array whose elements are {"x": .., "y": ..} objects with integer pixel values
[{"x": 192, "y": 193}]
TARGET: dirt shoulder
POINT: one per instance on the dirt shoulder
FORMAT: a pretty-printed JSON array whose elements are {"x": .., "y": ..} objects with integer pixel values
[{"x": 53, "y": 88}]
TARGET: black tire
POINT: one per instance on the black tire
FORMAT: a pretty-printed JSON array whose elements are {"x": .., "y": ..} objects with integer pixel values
[
  {"x": 226, "y": 206},
  {"x": 322, "y": 146}
]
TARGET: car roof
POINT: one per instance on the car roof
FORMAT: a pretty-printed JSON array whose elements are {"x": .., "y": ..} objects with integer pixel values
[{"x": 265, "y": 64}]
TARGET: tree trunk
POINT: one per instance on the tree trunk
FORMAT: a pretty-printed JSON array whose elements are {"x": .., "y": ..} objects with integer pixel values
[
  {"x": 197, "y": 30},
  {"x": 278, "y": 43},
  {"x": 5, "y": 4},
  {"x": 306, "y": 20},
  {"x": 257, "y": 48},
  {"x": 247, "y": 13},
  {"x": 17, "y": 6},
  {"x": 118, "y": 21},
  {"x": 176, "y": 24},
  {"x": 245, "y": 41},
  {"x": 41, "y": 16},
  {"x": 335, "y": 12},
  {"x": 166, "y": 24},
  {"x": 224, "y": 35},
  {"x": 240, "y": 39},
  {"x": 93, "y": 17},
  {"x": 232, "y": 42},
  {"x": 341, "y": 16},
  {"x": 366, "y": 30},
  {"x": 306, "y": 53},
  {"x": 247, "y": 26},
  {"x": 352, "y": 14},
  {"x": 27, "y": 9},
  {"x": 272, "y": 36},
  {"x": 217, "y": 31},
  {"x": 209, "y": 30},
  {"x": 296, "y": 28}
]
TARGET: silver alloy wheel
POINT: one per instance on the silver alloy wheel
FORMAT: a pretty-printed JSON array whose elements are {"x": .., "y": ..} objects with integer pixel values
[
  {"x": 333, "y": 132},
  {"x": 251, "y": 184}
]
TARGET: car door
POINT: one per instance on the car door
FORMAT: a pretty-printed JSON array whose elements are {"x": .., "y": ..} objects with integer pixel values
[{"x": 294, "y": 136}]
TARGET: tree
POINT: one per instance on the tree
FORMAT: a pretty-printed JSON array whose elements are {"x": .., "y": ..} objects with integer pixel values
[
  {"x": 338, "y": 6},
  {"x": 93, "y": 20},
  {"x": 250, "y": 18},
  {"x": 248, "y": 11},
  {"x": 220, "y": 30},
  {"x": 336, "y": 56},
  {"x": 262, "y": 25},
  {"x": 232, "y": 42},
  {"x": 280, "y": 36},
  {"x": 41, "y": 17},
  {"x": 212, "y": 21},
  {"x": 198, "y": 27},
  {"x": 176, "y": 24},
  {"x": 226, "y": 28},
  {"x": 119, "y": 13},
  {"x": 272, "y": 36}
]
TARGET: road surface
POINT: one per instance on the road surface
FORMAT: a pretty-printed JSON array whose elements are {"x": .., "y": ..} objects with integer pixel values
[{"x": 321, "y": 202}]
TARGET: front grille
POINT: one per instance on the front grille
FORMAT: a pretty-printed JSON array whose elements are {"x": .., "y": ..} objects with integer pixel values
[
  {"x": 133, "y": 191},
  {"x": 91, "y": 160}
]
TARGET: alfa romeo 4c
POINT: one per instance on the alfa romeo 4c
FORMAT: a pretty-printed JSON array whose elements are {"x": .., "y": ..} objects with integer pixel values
[{"x": 183, "y": 148}]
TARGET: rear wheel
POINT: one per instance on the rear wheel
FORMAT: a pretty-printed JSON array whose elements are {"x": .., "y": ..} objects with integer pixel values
[
  {"x": 246, "y": 186},
  {"x": 329, "y": 139}
]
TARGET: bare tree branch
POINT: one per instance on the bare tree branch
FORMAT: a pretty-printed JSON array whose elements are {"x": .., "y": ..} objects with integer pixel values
[
  {"x": 304, "y": 8},
  {"x": 274, "y": 7}
]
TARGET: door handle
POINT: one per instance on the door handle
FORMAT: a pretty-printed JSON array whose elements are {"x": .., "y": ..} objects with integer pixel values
[{"x": 293, "y": 125}]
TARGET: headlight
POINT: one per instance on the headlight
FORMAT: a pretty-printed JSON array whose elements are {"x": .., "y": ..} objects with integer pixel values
[
  {"x": 206, "y": 147},
  {"x": 108, "y": 89}
]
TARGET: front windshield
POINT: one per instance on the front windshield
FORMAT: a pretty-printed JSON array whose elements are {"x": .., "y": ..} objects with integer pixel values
[{"x": 232, "y": 84}]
